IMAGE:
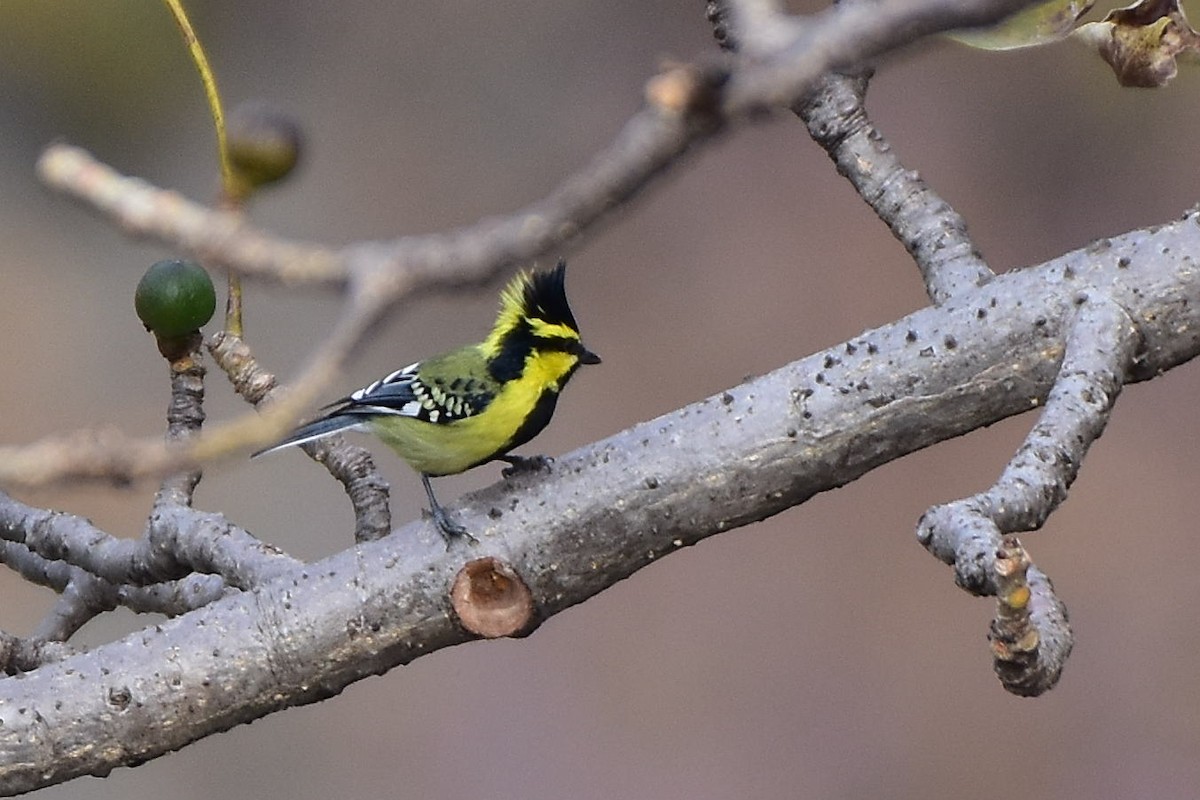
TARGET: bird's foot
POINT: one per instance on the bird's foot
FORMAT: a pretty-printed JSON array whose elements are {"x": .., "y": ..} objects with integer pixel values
[
  {"x": 450, "y": 529},
  {"x": 524, "y": 464}
]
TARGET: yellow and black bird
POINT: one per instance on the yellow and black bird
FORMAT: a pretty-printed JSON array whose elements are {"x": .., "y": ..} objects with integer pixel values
[{"x": 472, "y": 405}]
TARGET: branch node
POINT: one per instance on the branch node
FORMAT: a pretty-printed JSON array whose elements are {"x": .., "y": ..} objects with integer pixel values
[
  {"x": 233, "y": 356},
  {"x": 491, "y": 599},
  {"x": 688, "y": 90},
  {"x": 1030, "y": 636}
]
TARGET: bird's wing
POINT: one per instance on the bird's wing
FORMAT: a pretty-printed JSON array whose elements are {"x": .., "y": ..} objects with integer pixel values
[
  {"x": 405, "y": 393},
  {"x": 391, "y": 395}
]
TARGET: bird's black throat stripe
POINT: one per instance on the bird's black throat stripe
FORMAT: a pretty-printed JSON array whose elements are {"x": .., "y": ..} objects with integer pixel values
[{"x": 538, "y": 419}]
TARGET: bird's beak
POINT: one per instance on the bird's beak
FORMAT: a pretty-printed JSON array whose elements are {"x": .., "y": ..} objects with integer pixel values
[{"x": 588, "y": 357}]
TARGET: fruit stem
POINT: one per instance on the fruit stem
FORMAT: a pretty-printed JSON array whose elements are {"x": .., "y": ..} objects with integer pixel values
[{"x": 211, "y": 93}]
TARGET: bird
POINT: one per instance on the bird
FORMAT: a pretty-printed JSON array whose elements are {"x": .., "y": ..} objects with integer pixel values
[{"x": 461, "y": 409}]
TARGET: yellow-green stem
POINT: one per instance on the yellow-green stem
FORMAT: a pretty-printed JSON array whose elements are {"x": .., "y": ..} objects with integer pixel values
[
  {"x": 233, "y": 307},
  {"x": 230, "y": 188},
  {"x": 211, "y": 93}
]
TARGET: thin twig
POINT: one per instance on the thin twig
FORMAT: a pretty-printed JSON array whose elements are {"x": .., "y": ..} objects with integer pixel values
[
  {"x": 842, "y": 37},
  {"x": 215, "y": 236},
  {"x": 112, "y": 457},
  {"x": 81, "y": 599},
  {"x": 185, "y": 416},
  {"x": 932, "y": 232},
  {"x": 650, "y": 142},
  {"x": 351, "y": 465}
]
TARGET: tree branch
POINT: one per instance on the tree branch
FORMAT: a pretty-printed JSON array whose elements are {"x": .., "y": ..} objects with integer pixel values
[
  {"x": 969, "y": 534},
  {"x": 932, "y": 232},
  {"x": 170, "y": 598},
  {"x": 602, "y": 513},
  {"x": 1099, "y": 354},
  {"x": 184, "y": 540}
]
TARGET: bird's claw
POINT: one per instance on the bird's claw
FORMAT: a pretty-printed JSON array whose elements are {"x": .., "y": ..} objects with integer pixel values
[
  {"x": 525, "y": 464},
  {"x": 449, "y": 529}
]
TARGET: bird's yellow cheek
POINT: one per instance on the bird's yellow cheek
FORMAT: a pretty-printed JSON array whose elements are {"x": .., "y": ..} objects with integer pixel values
[{"x": 547, "y": 370}]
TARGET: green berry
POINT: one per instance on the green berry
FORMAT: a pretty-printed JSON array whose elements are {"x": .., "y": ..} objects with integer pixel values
[
  {"x": 174, "y": 298},
  {"x": 264, "y": 144}
]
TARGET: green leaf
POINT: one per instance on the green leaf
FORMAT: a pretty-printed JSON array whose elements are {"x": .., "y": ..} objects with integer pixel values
[{"x": 1044, "y": 23}]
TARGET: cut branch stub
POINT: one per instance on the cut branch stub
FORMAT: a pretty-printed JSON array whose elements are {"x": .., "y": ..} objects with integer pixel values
[{"x": 491, "y": 600}]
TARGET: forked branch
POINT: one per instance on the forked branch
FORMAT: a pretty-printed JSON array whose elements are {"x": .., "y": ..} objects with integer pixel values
[{"x": 969, "y": 534}]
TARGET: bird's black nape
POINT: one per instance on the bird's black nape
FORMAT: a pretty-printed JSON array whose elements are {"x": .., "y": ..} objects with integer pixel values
[{"x": 546, "y": 297}]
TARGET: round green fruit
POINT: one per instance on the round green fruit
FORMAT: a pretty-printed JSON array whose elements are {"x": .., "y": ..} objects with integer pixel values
[
  {"x": 264, "y": 144},
  {"x": 174, "y": 298}
]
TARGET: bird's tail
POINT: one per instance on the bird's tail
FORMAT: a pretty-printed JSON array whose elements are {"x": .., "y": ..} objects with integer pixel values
[{"x": 315, "y": 430}]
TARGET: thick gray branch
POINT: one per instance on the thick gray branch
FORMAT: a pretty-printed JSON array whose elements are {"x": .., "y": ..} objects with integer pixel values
[{"x": 603, "y": 513}]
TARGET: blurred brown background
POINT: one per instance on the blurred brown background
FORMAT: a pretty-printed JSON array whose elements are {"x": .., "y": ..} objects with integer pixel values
[{"x": 821, "y": 654}]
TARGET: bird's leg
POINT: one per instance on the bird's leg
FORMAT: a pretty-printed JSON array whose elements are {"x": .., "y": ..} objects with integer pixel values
[
  {"x": 448, "y": 527},
  {"x": 523, "y": 464}
]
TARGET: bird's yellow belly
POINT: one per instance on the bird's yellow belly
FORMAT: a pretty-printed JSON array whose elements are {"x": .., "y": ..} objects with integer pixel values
[{"x": 450, "y": 448}]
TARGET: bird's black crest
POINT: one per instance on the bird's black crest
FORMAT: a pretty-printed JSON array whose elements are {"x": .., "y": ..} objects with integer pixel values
[
  {"x": 531, "y": 297},
  {"x": 545, "y": 297}
]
